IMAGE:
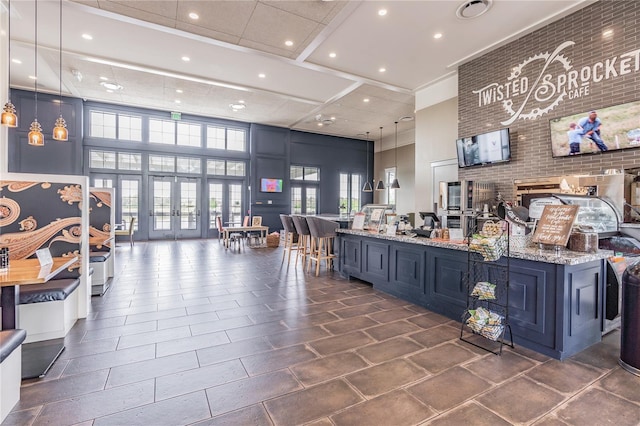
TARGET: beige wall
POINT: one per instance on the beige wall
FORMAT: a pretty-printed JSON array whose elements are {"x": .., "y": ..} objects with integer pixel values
[
  {"x": 436, "y": 133},
  {"x": 406, "y": 176}
]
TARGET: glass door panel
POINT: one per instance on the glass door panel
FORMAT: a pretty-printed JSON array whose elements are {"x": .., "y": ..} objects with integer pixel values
[
  {"x": 162, "y": 212},
  {"x": 235, "y": 204},
  {"x": 216, "y": 203},
  {"x": 311, "y": 200},
  {"x": 187, "y": 208}
]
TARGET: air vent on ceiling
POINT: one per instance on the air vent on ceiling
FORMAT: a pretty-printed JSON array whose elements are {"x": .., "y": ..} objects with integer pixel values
[{"x": 473, "y": 8}]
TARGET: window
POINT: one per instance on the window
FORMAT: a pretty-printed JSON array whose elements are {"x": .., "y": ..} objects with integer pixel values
[
  {"x": 162, "y": 131},
  {"x": 390, "y": 175},
  {"x": 129, "y": 128},
  {"x": 309, "y": 174},
  {"x": 311, "y": 200},
  {"x": 236, "y": 140},
  {"x": 216, "y": 167},
  {"x": 102, "y": 183},
  {"x": 350, "y": 192},
  {"x": 189, "y": 165},
  {"x": 296, "y": 200},
  {"x": 128, "y": 161},
  {"x": 235, "y": 168},
  {"x": 161, "y": 163},
  {"x": 103, "y": 125},
  {"x": 226, "y": 168},
  {"x": 235, "y": 203},
  {"x": 226, "y": 138},
  {"x": 129, "y": 199},
  {"x": 189, "y": 134},
  {"x": 102, "y": 159},
  {"x": 215, "y": 204},
  {"x": 216, "y": 137}
]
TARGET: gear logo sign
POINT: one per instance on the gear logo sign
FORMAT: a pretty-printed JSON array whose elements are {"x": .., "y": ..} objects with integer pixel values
[{"x": 543, "y": 90}]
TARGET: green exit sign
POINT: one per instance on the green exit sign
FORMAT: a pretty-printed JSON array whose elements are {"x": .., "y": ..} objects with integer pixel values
[{"x": 176, "y": 115}]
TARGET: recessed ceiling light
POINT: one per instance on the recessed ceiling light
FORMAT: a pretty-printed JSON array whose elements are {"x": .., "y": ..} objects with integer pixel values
[
  {"x": 262, "y": 75},
  {"x": 103, "y": 78},
  {"x": 607, "y": 33},
  {"x": 320, "y": 124},
  {"x": 178, "y": 101},
  {"x": 382, "y": 12},
  {"x": 16, "y": 61},
  {"x": 406, "y": 118},
  {"x": 87, "y": 36},
  {"x": 186, "y": 58},
  {"x": 178, "y": 90},
  {"x": 194, "y": 15},
  {"x": 332, "y": 55},
  {"x": 240, "y": 101},
  {"x": 110, "y": 86},
  {"x": 473, "y": 8},
  {"x": 109, "y": 91},
  {"x": 333, "y": 118},
  {"x": 365, "y": 100},
  {"x": 238, "y": 106},
  {"x": 288, "y": 43},
  {"x": 382, "y": 69},
  {"x": 33, "y": 77},
  {"x": 437, "y": 36}
]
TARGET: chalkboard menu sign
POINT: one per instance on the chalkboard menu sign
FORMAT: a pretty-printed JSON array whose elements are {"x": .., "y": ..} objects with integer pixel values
[{"x": 554, "y": 227}]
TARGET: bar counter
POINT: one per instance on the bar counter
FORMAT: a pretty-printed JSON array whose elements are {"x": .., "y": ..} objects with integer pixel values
[{"x": 555, "y": 299}]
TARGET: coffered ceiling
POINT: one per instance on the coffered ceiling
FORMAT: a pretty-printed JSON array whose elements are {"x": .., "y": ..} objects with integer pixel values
[{"x": 347, "y": 66}]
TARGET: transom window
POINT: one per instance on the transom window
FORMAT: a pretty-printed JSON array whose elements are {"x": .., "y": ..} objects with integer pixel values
[
  {"x": 162, "y": 163},
  {"x": 226, "y": 138},
  {"x": 102, "y": 159},
  {"x": 115, "y": 126},
  {"x": 129, "y": 161},
  {"x": 189, "y": 134},
  {"x": 103, "y": 125},
  {"x": 311, "y": 174},
  {"x": 226, "y": 167},
  {"x": 189, "y": 165},
  {"x": 129, "y": 127}
]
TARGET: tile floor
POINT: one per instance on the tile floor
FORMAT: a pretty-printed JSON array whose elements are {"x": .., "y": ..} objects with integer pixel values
[{"x": 191, "y": 333}]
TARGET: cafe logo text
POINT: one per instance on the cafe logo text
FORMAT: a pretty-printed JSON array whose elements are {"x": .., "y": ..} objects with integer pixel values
[{"x": 549, "y": 79}]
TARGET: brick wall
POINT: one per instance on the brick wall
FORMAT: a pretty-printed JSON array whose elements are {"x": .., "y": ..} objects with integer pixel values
[{"x": 530, "y": 138}]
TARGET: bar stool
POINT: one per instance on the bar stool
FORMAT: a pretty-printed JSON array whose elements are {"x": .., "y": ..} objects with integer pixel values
[
  {"x": 323, "y": 233},
  {"x": 304, "y": 237},
  {"x": 290, "y": 236}
]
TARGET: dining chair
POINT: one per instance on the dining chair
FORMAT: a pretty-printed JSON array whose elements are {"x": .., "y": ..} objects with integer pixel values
[
  {"x": 290, "y": 236},
  {"x": 254, "y": 235},
  {"x": 323, "y": 233},
  {"x": 304, "y": 237},
  {"x": 127, "y": 232}
]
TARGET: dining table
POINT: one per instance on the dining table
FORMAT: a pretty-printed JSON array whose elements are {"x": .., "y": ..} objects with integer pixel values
[
  {"x": 37, "y": 356},
  {"x": 226, "y": 232}
]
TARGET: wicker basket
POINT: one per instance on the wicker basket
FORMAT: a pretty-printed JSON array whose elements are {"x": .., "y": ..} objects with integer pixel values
[{"x": 273, "y": 240}]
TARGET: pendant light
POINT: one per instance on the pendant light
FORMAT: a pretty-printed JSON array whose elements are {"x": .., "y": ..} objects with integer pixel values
[
  {"x": 60, "y": 132},
  {"x": 367, "y": 185},
  {"x": 36, "y": 138},
  {"x": 380, "y": 184},
  {"x": 9, "y": 117},
  {"x": 395, "y": 184}
]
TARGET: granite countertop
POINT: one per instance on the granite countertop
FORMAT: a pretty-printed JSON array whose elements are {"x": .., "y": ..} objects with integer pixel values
[{"x": 562, "y": 257}]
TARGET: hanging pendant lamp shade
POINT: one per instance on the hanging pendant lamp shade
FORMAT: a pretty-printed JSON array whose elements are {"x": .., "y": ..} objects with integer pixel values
[
  {"x": 60, "y": 132},
  {"x": 380, "y": 184},
  {"x": 9, "y": 117},
  {"x": 367, "y": 185},
  {"x": 395, "y": 184},
  {"x": 36, "y": 138}
]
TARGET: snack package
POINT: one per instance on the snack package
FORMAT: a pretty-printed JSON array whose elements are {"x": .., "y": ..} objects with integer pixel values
[{"x": 484, "y": 290}]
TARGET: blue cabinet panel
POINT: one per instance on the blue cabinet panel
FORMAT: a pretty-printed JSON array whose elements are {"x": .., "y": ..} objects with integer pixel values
[
  {"x": 583, "y": 285},
  {"x": 375, "y": 261},
  {"x": 446, "y": 284},
  {"x": 350, "y": 256},
  {"x": 532, "y": 301},
  {"x": 407, "y": 269}
]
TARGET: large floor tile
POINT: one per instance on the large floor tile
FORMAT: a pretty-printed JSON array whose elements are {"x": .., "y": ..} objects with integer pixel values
[
  {"x": 604, "y": 408},
  {"x": 385, "y": 377},
  {"x": 276, "y": 359},
  {"x": 329, "y": 367},
  {"x": 396, "y": 408},
  {"x": 254, "y": 415},
  {"x": 389, "y": 349},
  {"x": 448, "y": 389}
]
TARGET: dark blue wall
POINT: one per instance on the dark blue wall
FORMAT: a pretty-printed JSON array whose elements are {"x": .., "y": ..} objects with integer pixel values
[{"x": 54, "y": 157}]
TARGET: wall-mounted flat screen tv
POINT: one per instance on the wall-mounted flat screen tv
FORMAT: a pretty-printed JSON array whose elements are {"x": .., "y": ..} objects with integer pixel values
[
  {"x": 486, "y": 148},
  {"x": 592, "y": 132},
  {"x": 270, "y": 185}
]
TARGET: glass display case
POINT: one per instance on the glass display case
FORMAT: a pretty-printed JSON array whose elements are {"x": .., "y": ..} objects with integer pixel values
[
  {"x": 595, "y": 212},
  {"x": 375, "y": 215}
]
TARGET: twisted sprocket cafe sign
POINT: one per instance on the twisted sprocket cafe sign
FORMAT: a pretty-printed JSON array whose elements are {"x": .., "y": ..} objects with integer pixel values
[{"x": 541, "y": 82}]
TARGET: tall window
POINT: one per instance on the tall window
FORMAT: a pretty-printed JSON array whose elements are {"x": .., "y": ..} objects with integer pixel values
[
  {"x": 304, "y": 189},
  {"x": 215, "y": 204},
  {"x": 235, "y": 203},
  {"x": 390, "y": 175},
  {"x": 296, "y": 200},
  {"x": 350, "y": 186}
]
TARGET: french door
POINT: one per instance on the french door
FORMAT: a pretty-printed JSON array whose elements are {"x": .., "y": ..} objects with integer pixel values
[
  {"x": 174, "y": 207},
  {"x": 226, "y": 201}
]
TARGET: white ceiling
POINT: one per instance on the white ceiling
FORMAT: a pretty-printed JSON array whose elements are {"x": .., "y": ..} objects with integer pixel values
[{"x": 139, "y": 45}]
